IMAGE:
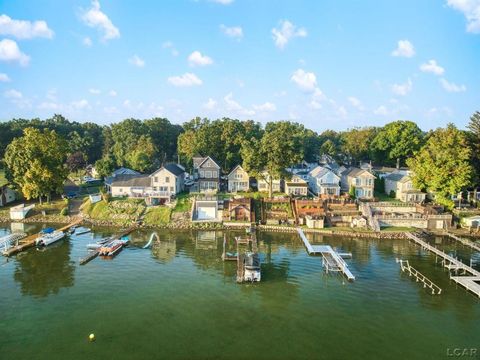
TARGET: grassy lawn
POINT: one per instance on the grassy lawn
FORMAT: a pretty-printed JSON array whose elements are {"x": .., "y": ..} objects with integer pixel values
[
  {"x": 158, "y": 215},
  {"x": 384, "y": 197},
  {"x": 398, "y": 228},
  {"x": 183, "y": 203}
]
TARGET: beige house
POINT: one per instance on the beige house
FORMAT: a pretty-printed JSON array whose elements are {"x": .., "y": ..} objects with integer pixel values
[
  {"x": 296, "y": 186},
  {"x": 402, "y": 185},
  {"x": 238, "y": 180},
  {"x": 263, "y": 183},
  {"x": 362, "y": 180}
]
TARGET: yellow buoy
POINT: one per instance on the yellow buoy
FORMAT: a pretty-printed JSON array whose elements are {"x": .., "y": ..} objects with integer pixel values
[{"x": 91, "y": 337}]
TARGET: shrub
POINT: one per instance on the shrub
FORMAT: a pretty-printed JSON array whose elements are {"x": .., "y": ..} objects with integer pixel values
[{"x": 64, "y": 211}]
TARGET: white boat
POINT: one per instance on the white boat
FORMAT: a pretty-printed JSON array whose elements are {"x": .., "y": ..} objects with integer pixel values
[{"x": 49, "y": 239}]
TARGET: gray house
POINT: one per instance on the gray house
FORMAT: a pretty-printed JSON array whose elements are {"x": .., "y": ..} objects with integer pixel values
[{"x": 206, "y": 173}]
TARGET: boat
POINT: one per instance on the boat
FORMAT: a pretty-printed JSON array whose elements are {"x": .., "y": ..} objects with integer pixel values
[
  {"x": 50, "y": 238},
  {"x": 251, "y": 263},
  {"x": 99, "y": 243},
  {"x": 111, "y": 248},
  {"x": 71, "y": 231},
  {"x": 47, "y": 230}
]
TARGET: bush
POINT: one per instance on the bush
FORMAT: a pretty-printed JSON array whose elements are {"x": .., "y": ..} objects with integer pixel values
[
  {"x": 64, "y": 211},
  {"x": 392, "y": 194}
]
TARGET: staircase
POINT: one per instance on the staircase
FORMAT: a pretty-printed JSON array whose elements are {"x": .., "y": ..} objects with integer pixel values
[{"x": 367, "y": 212}]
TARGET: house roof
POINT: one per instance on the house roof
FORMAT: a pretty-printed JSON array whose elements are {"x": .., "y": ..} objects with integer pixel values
[
  {"x": 321, "y": 171},
  {"x": 131, "y": 180},
  {"x": 354, "y": 172},
  {"x": 125, "y": 171},
  {"x": 172, "y": 168},
  {"x": 205, "y": 160},
  {"x": 397, "y": 176},
  {"x": 235, "y": 168}
]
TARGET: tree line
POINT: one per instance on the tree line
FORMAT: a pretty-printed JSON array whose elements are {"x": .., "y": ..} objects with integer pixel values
[{"x": 445, "y": 160}]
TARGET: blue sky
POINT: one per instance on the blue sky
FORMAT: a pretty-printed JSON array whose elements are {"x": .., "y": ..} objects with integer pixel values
[{"x": 326, "y": 64}]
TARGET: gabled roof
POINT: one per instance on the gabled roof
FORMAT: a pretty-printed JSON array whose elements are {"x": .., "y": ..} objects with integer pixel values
[
  {"x": 396, "y": 176},
  {"x": 172, "y": 168},
  {"x": 235, "y": 168},
  {"x": 125, "y": 171},
  {"x": 206, "y": 159},
  {"x": 354, "y": 172},
  {"x": 321, "y": 171}
]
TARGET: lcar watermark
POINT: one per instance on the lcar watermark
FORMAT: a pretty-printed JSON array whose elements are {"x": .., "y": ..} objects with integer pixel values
[{"x": 463, "y": 352}]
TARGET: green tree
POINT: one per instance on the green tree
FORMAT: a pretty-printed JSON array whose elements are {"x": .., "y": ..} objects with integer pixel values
[
  {"x": 397, "y": 141},
  {"x": 105, "y": 166},
  {"x": 35, "y": 163},
  {"x": 443, "y": 164},
  {"x": 474, "y": 142},
  {"x": 280, "y": 147},
  {"x": 355, "y": 143},
  {"x": 142, "y": 156}
]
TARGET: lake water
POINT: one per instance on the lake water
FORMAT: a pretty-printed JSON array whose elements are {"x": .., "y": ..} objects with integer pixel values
[{"x": 179, "y": 300}]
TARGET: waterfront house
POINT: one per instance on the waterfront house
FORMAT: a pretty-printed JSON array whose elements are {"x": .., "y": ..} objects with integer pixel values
[
  {"x": 264, "y": 180},
  {"x": 361, "y": 180},
  {"x": 119, "y": 172},
  {"x": 157, "y": 188},
  {"x": 400, "y": 184},
  {"x": 296, "y": 186},
  {"x": 323, "y": 181},
  {"x": 206, "y": 173},
  {"x": 238, "y": 180}
]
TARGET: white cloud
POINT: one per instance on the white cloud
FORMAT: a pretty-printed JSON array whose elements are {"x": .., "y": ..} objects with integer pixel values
[
  {"x": 314, "y": 104},
  {"x": 306, "y": 81},
  {"x": 210, "y": 104},
  {"x": 187, "y": 79},
  {"x": 137, "y": 61},
  {"x": 87, "y": 41},
  {"x": 265, "y": 107},
  {"x": 112, "y": 93},
  {"x": 342, "y": 111},
  {"x": 402, "y": 89},
  {"x": 286, "y": 32},
  {"x": 197, "y": 59},
  {"x": 404, "y": 49},
  {"x": 9, "y": 51},
  {"x": 381, "y": 110},
  {"x": 223, "y": 2},
  {"x": 22, "y": 29},
  {"x": 169, "y": 45},
  {"x": 95, "y": 18},
  {"x": 451, "y": 87},
  {"x": 94, "y": 91},
  {"x": 110, "y": 110},
  {"x": 235, "y": 32},
  {"x": 432, "y": 67},
  {"x": 80, "y": 104},
  {"x": 13, "y": 94},
  {"x": 355, "y": 102},
  {"x": 47, "y": 105},
  {"x": 234, "y": 106},
  {"x": 4, "y": 77},
  {"x": 471, "y": 11}
]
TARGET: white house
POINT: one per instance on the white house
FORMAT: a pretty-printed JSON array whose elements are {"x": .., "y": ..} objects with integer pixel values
[
  {"x": 158, "y": 187},
  {"x": 238, "y": 180},
  {"x": 296, "y": 186},
  {"x": 323, "y": 181},
  {"x": 263, "y": 183}
]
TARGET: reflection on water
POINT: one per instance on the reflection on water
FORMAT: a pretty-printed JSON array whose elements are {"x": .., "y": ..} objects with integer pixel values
[
  {"x": 45, "y": 273},
  {"x": 179, "y": 300}
]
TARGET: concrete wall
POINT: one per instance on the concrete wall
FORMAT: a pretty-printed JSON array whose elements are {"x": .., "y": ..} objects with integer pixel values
[{"x": 419, "y": 223}]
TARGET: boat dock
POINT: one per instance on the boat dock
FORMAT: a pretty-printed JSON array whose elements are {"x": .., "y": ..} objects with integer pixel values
[
  {"x": 7, "y": 241},
  {"x": 93, "y": 254},
  {"x": 470, "y": 283},
  {"x": 29, "y": 241},
  {"x": 465, "y": 242},
  {"x": 332, "y": 261},
  {"x": 419, "y": 277}
]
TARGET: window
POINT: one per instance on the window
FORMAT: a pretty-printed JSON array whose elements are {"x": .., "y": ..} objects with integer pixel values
[
  {"x": 172, "y": 189},
  {"x": 155, "y": 179},
  {"x": 202, "y": 173},
  {"x": 120, "y": 190},
  {"x": 214, "y": 174},
  {"x": 358, "y": 181},
  {"x": 208, "y": 174},
  {"x": 167, "y": 179}
]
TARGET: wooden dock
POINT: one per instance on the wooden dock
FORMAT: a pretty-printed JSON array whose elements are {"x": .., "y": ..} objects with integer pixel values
[
  {"x": 332, "y": 261},
  {"x": 470, "y": 283},
  {"x": 93, "y": 254},
  {"x": 419, "y": 277},
  {"x": 29, "y": 241},
  {"x": 465, "y": 242}
]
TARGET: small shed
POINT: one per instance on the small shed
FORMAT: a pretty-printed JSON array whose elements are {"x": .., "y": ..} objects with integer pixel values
[
  {"x": 314, "y": 222},
  {"x": 359, "y": 222},
  {"x": 20, "y": 212},
  {"x": 472, "y": 221}
]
